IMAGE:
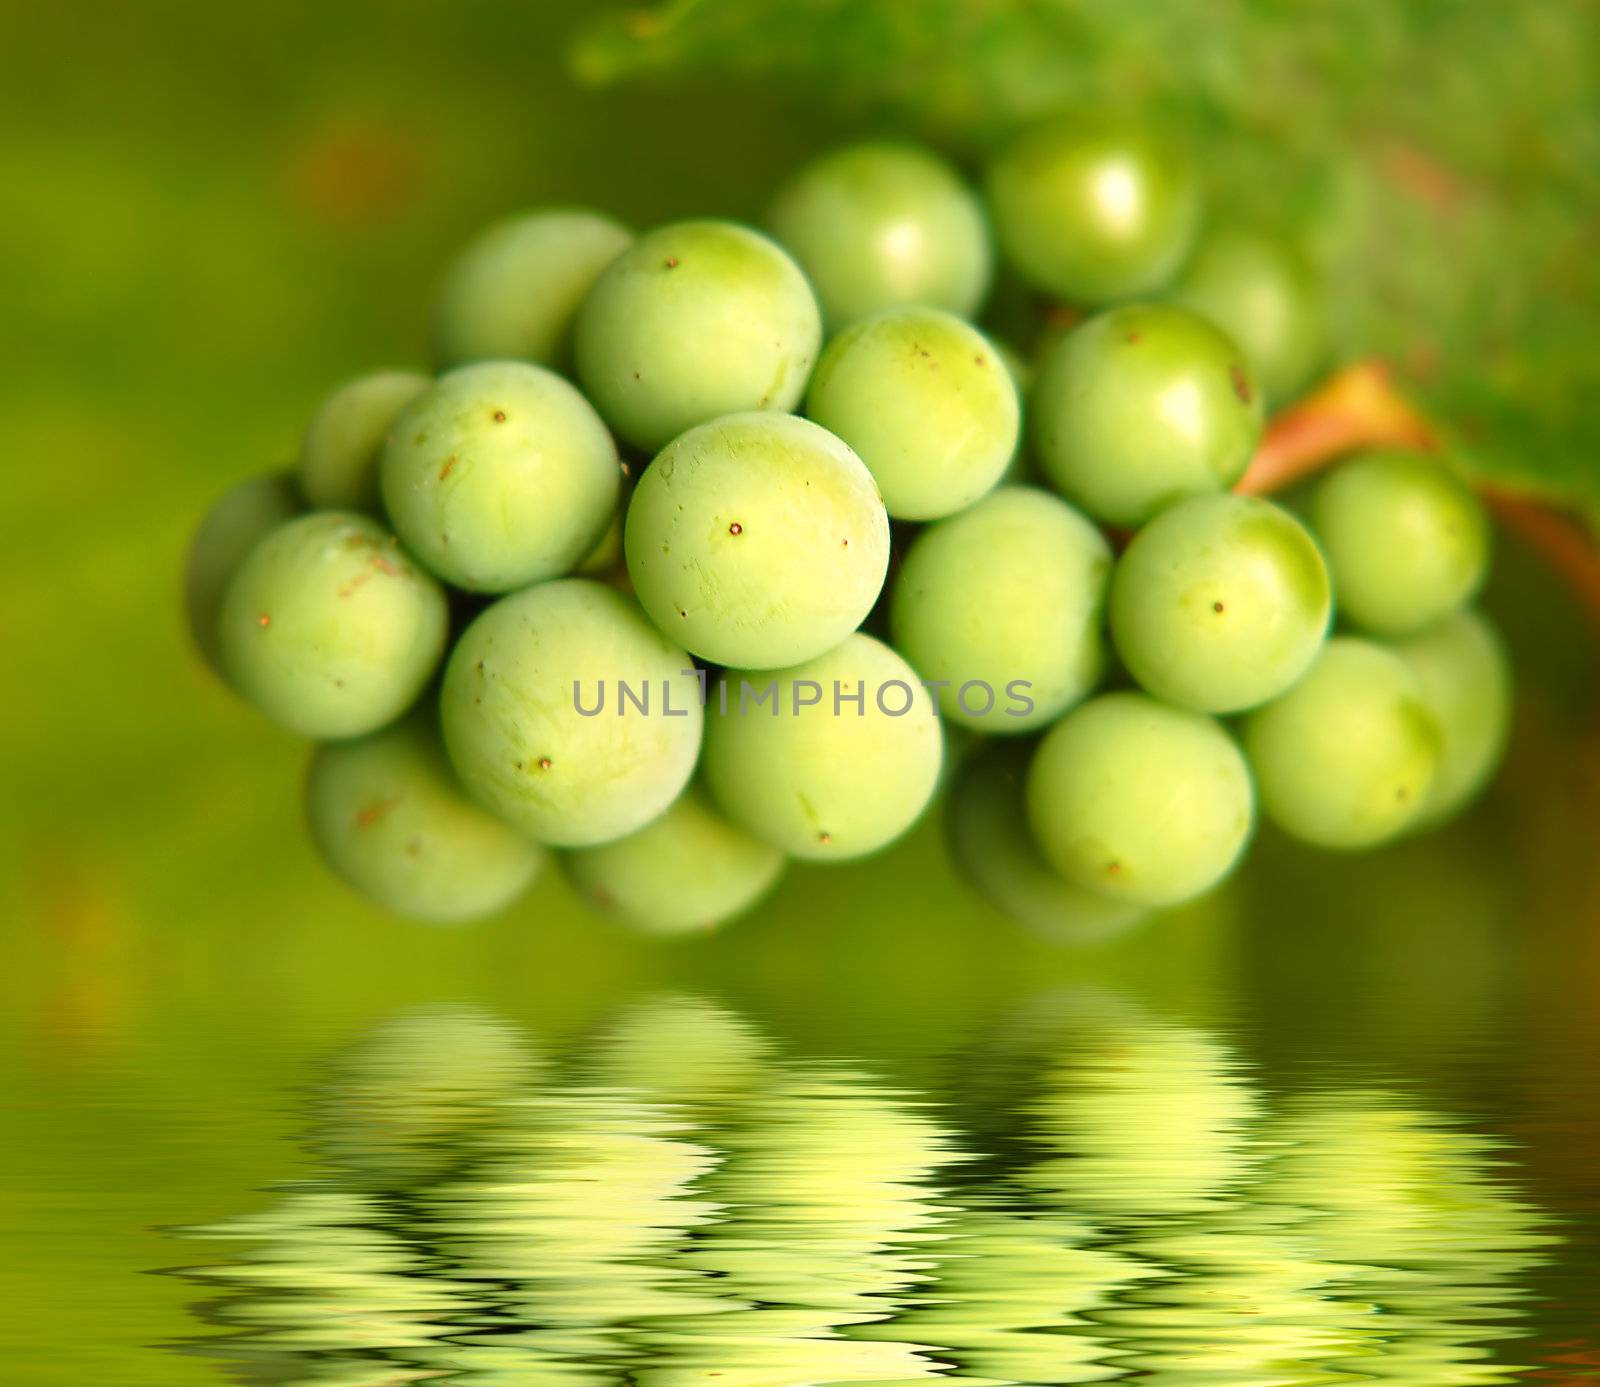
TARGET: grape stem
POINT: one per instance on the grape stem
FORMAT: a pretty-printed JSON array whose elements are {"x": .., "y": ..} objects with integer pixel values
[{"x": 1359, "y": 407}]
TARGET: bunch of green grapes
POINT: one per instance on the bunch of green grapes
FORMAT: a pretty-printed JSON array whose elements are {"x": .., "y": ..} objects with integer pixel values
[{"x": 699, "y": 543}]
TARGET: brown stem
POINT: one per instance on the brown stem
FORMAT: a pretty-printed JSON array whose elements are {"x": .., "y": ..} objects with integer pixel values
[
  {"x": 1355, "y": 408},
  {"x": 1358, "y": 407}
]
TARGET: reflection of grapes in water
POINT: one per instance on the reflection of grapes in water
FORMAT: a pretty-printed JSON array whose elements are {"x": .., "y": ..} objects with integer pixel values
[
  {"x": 408, "y": 1100},
  {"x": 824, "y": 1182},
  {"x": 674, "y": 1201}
]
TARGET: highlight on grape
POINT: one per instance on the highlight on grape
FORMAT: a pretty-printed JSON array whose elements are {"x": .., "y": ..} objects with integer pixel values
[
  {"x": 727, "y": 546},
  {"x": 893, "y": 698}
]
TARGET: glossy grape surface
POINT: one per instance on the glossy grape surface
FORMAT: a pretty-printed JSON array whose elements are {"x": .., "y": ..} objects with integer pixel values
[
  {"x": 1011, "y": 591},
  {"x": 1142, "y": 407},
  {"x": 926, "y": 402},
  {"x": 696, "y": 320},
  {"x": 1140, "y": 802},
  {"x": 330, "y": 628},
  {"x": 881, "y": 224},
  {"x": 758, "y": 540}
]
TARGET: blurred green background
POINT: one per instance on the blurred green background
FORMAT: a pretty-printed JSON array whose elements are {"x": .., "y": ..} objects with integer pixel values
[{"x": 208, "y": 215}]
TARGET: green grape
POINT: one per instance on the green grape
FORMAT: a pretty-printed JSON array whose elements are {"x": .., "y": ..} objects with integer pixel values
[
  {"x": 696, "y": 320},
  {"x": 1220, "y": 603},
  {"x": 1140, "y": 802},
  {"x": 1346, "y": 758},
  {"x": 343, "y": 445},
  {"x": 794, "y": 759},
  {"x": 243, "y": 516},
  {"x": 500, "y": 476},
  {"x": 986, "y": 826},
  {"x": 1093, "y": 211},
  {"x": 514, "y": 291},
  {"x": 926, "y": 402},
  {"x": 1466, "y": 682},
  {"x": 683, "y": 872},
  {"x": 1008, "y": 595},
  {"x": 388, "y": 816},
  {"x": 330, "y": 628},
  {"x": 1265, "y": 295},
  {"x": 606, "y": 556},
  {"x": 757, "y": 540},
  {"x": 1407, "y": 540},
  {"x": 882, "y": 224},
  {"x": 1141, "y": 407},
  {"x": 542, "y": 717}
]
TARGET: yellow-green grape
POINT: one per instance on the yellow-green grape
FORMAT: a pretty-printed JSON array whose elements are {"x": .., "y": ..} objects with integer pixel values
[
  {"x": 758, "y": 540},
  {"x": 1093, "y": 210},
  {"x": 683, "y": 872},
  {"x": 1140, "y": 408},
  {"x": 696, "y": 320},
  {"x": 500, "y": 476},
  {"x": 882, "y": 224},
  {"x": 514, "y": 291},
  {"x": 606, "y": 556},
  {"x": 1138, "y": 801},
  {"x": 1001, "y": 607},
  {"x": 1264, "y": 294},
  {"x": 239, "y": 520},
  {"x": 1466, "y": 681},
  {"x": 1346, "y": 758},
  {"x": 343, "y": 446},
  {"x": 1220, "y": 603},
  {"x": 991, "y": 843},
  {"x": 832, "y": 759},
  {"x": 569, "y": 715},
  {"x": 330, "y": 628},
  {"x": 1407, "y": 540},
  {"x": 926, "y": 402},
  {"x": 389, "y": 817}
]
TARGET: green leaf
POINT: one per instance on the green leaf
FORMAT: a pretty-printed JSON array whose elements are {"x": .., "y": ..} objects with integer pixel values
[{"x": 1442, "y": 159}]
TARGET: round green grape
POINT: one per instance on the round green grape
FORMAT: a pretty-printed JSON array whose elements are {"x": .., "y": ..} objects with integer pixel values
[
  {"x": 241, "y": 518},
  {"x": 1220, "y": 603},
  {"x": 1346, "y": 758},
  {"x": 1092, "y": 210},
  {"x": 684, "y": 872},
  {"x": 926, "y": 402},
  {"x": 986, "y": 826},
  {"x": 1140, "y": 802},
  {"x": 758, "y": 540},
  {"x": 883, "y": 224},
  {"x": 696, "y": 320},
  {"x": 343, "y": 446},
  {"x": 330, "y": 628},
  {"x": 793, "y": 757},
  {"x": 1465, "y": 676},
  {"x": 514, "y": 292},
  {"x": 1265, "y": 295},
  {"x": 569, "y": 715},
  {"x": 500, "y": 476},
  {"x": 389, "y": 817},
  {"x": 1141, "y": 407},
  {"x": 1407, "y": 540},
  {"x": 1008, "y": 596}
]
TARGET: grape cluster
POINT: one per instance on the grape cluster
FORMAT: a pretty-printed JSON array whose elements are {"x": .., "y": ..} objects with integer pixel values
[{"x": 711, "y": 547}]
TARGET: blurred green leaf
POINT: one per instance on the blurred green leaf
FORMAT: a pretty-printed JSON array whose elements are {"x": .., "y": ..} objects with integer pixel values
[{"x": 1443, "y": 160}]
